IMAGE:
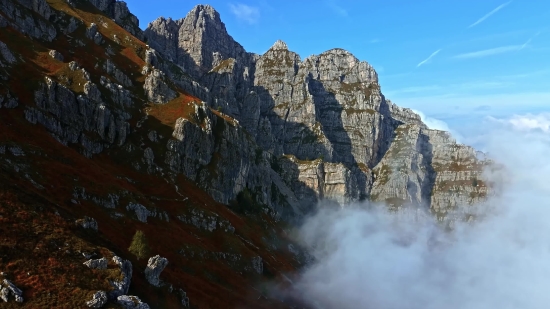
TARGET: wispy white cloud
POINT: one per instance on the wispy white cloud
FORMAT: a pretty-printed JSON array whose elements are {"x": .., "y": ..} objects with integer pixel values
[
  {"x": 375, "y": 41},
  {"x": 337, "y": 8},
  {"x": 490, "y": 52},
  {"x": 429, "y": 58},
  {"x": 528, "y": 122},
  {"x": 431, "y": 122},
  {"x": 246, "y": 13},
  {"x": 496, "y": 50},
  {"x": 498, "y": 8},
  {"x": 529, "y": 40}
]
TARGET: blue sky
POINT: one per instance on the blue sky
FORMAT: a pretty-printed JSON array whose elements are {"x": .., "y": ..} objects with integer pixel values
[{"x": 457, "y": 61}]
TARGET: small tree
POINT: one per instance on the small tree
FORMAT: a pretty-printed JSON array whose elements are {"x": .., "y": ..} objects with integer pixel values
[{"x": 139, "y": 246}]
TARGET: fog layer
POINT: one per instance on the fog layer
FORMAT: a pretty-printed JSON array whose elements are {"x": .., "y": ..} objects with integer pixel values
[{"x": 373, "y": 259}]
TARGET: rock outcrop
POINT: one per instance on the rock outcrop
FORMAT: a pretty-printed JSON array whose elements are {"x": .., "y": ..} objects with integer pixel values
[
  {"x": 101, "y": 263},
  {"x": 118, "y": 10},
  {"x": 155, "y": 266},
  {"x": 18, "y": 19},
  {"x": 56, "y": 55},
  {"x": 99, "y": 299},
  {"x": 221, "y": 158},
  {"x": 156, "y": 88},
  {"x": 70, "y": 117},
  {"x": 207, "y": 222},
  {"x": 120, "y": 287},
  {"x": 142, "y": 213},
  {"x": 7, "y": 288},
  {"x": 7, "y": 57},
  {"x": 87, "y": 223},
  {"x": 131, "y": 302},
  {"x": 8, "y": 101},
  {"x": 258, "y": 264},
  {"x": 93, "y": 34}
]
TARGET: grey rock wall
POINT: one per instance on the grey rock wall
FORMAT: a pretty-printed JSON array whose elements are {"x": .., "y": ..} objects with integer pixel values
[{"x": 323, "y": 118}]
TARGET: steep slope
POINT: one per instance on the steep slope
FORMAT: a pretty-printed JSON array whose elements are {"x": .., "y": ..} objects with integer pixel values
[
  {"x": 84, "y": 164},
  {"x": 213, "y": 152}
]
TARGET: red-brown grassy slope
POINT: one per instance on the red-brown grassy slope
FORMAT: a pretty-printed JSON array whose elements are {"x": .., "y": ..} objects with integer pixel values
[
  {"x": 34, "y": 240},
  {"x": 39, "y": 241}
]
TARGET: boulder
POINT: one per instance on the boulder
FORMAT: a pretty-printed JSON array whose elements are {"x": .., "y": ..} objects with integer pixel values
[
  {"x": 131, "y": 302},
  {"x": 141, "y": 211},
  {"x": 56, "y": 55},
  {"x": 8, "y": 288},
  {"x": 99, "y": 299},
  {"x": 155, "y": 266},
  {"x": 121, "y": 286},
  {"x": 87, "y": 223},
  {"x": 6, "y": 54}
]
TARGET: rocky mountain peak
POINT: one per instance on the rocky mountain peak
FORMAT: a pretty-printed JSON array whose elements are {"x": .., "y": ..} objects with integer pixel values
[
  {"x": 197, "y": 42},
  {"x": 340, "y": 64},
  {"x": 204, "y": 13},
  {"x": 279, "y": 45}
]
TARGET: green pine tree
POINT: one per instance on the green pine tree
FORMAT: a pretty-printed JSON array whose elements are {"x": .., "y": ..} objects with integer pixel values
[{"x": 139, "y": 246}]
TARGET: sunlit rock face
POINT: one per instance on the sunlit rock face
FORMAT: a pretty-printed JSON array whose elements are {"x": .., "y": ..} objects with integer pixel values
[
  {"x": 323, "y": 119},
  {"x": 289, "y": 132}
]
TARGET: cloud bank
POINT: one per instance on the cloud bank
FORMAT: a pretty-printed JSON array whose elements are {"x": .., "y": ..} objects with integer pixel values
[
  {"x": 527, "y": 122},
  {"x": 368, "y": 258}
]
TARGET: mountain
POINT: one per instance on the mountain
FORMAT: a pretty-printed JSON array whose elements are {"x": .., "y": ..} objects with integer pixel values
[
  {"x": 214, "y": 153},
  {"x": 323, "y": 121}
]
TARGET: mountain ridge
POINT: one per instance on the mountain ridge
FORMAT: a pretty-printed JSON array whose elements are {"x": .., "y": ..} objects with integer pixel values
[
  {"x": 214, "y": 152},
  {"x": 351, "y": 83}
]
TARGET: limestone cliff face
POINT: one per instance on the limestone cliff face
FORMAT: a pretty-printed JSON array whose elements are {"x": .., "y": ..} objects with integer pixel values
[
  {"x": 198, "y": 42},
  {"x": 283, "y": 131},
  {"x": 220, "y": 157},
  {"x": 118, "y": 10},
  {"x": 324, "y": 118}
]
